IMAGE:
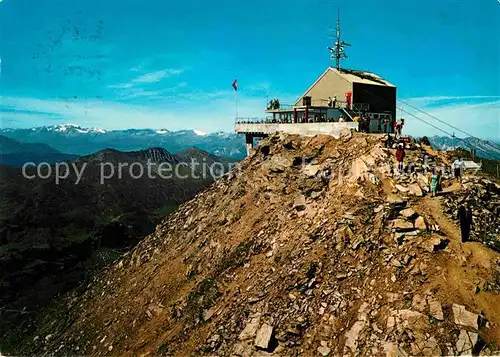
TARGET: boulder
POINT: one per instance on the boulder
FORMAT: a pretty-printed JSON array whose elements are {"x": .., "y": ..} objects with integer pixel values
[
  {"x": 370, "y": 161},
  {"x": 311, "y": 170},
  {"x": 435, "y": 309},
  {"x": 420, "y": 224},
  {"x": 407, "y": 319},
  {"x": 396, "y": 201},
  {"x": 353, "y": 334},
  {"x": 431, "y": 348},
  {"x": 402, "y": 189},
  {"x": 415, "y": 190},
  {"x": 437, "y": 243},
  {"x": 358, "y": 169},
  {"x": 323, "y": 350},
  {"x": 278, "y": 163},
  {"x": 465, "y": 318},
  {"x": 402, "y": 225},
  {"x": 316, "y": 194},
  {"x": 300, "y": 202},
  {"x": 264, "y": 336},
  {"x": 408, "y": 213},
  {"x": 419, "y": 303},
  {"x": 251, "y": 328},
  {"x": 466, "y": 342}
]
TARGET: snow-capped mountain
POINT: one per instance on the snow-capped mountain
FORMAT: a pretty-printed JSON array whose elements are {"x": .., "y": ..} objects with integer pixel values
[
  {"x": 75, "y": 139},
  {"x": 71, "y": 129}
]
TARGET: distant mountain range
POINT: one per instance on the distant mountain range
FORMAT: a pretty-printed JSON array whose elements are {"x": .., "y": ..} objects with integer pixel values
[
  {"x": 15, "y": 153},
  {"x": 485, "y": 149},
  {"x": 52, "y": 234},
  {"x": 66, "y": 142},
  {"x": 77, "y": 140}
]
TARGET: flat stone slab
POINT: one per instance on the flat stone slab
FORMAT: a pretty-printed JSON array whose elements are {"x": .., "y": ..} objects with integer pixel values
[
  {"x": 465, "y": 318},
  {"x": 250, "y": 329},
  {"x": 264, "y": 336}
]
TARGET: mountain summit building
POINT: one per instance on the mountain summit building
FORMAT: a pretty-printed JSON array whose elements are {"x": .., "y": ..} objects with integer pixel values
[
  {"x": 357, "y": 91},
  {"x": 335, "y": 101}
]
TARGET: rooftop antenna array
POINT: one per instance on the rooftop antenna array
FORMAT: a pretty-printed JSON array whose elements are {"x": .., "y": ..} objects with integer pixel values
[{"x": 337, "y": 51}]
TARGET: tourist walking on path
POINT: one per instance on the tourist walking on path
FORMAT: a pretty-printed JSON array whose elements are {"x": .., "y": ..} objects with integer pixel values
[
  {"x": 439, "y": 181},
  {"x": 396, "y": 129},
  {"x": 465, "y": 219},
  {"x": 367, "y": 123},
  {"x": 386, "y": 124},
  {"x": 388, "y": 141},
  {"x": 458, "y": 168},
  {"x": 379, "y": 125},
  {"x": 433, "y": 182},
  {"x": 400, "y": 156}
]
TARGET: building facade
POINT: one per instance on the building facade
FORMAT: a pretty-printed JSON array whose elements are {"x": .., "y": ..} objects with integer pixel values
[{"x": 334, "y": 102}]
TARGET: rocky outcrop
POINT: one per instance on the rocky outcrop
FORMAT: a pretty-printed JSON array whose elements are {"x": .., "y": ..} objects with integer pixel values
[
  {"x": 483, "y": 196},
  {"x": 315, "y": 252}
]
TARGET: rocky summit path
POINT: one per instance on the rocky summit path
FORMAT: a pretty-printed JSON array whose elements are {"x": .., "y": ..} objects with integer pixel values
[{"x": 310, "y": 247}]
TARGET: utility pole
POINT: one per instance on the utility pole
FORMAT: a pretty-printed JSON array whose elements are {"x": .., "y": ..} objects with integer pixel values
[{"x": 337, "y": 50}]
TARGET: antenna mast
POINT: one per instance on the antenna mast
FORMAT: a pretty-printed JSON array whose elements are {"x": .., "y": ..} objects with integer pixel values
[{"x": 337, "y": 50}]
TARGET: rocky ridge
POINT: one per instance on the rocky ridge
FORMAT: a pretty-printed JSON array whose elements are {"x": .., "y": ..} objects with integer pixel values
[{"x": 310, "y": 247}]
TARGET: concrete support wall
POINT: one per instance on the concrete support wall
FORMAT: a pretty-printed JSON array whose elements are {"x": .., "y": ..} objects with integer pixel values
[
  {"x": 305, "y": 129},
  {"x": 249, "y": 142}
]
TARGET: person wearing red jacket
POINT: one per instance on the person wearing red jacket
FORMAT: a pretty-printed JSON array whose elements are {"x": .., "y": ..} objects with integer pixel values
[{"x": 400, "y": 156}]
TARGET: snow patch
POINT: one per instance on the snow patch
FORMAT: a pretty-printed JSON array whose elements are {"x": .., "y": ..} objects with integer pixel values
[
  {"x": 63, "y": 127},
  {"x": 200, "y": 133},
  {"x": 162, "y": 131},
  {"x": 75, "y": 128}
]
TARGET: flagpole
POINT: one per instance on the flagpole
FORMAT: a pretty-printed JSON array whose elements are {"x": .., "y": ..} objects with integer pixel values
[{"x": 235, "y": 87}]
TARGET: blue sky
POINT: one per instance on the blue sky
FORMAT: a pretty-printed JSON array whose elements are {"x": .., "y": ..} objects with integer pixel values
[{"x": 170, "y": 64}]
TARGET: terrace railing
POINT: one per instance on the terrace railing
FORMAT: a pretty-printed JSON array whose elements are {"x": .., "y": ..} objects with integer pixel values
[{"x": 254, "y": 120}]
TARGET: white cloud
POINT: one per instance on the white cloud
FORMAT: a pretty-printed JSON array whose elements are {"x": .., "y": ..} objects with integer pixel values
[
  {"x": 157, "y": 76},
  {"x": 121, "y": 86},
  {"x": 148, "y": 78}
]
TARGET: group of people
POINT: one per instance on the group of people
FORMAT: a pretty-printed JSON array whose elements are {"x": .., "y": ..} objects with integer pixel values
[
  {"x": 398, "y": 127},
  {"x": 273, "y": 104},
  {"x": 435, "y": 180},
  {"x": 332, "y": 103},
  {"x": 434, "y": 177},
  {"x": 363, "y": 123},
  {"x": 383, "y": 124}
]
